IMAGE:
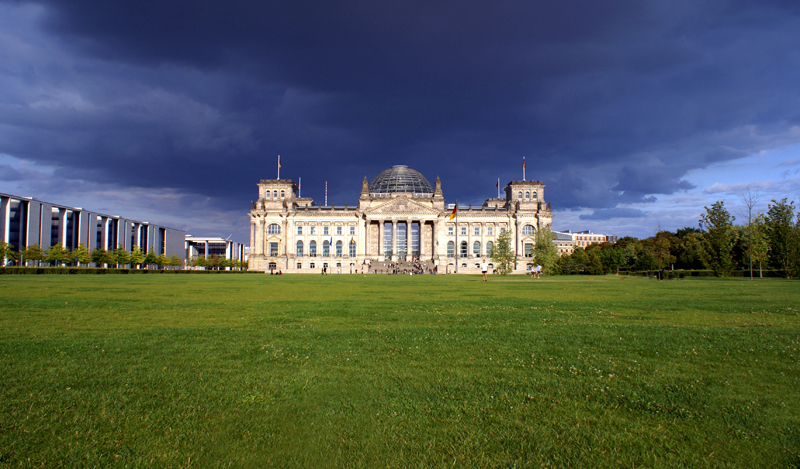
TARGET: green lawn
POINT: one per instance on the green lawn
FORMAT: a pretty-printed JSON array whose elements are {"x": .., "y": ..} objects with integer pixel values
[{"x": 398, "y": 371}]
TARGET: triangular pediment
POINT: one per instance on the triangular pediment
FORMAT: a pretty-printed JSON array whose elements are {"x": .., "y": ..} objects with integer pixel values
[{"x": 401, "y": 206}]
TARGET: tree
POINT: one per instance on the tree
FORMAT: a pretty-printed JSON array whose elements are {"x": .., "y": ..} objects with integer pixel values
[
  {"x": 136, "y": 257},
  {"x": 545, "y": 251},
  {"x": 718, "y": 239},
  {"x": 503, "y": 254},
  {"x": 33, "y": 253},
  {"x": 782, "y": 232},
  {"x": 662, "y": 249},
  {"x": 750, "y": 199},
  {"x": 175, "y": 261},
  {"x": 162, "y": 260},
  {"x": 101, "y": 256},
  {"x": 81, "y": 254},
  {"x": 57, "y": 255},
  {"x": 121, "y": 256},
  {"x": 758, "y": 242},
  {"x": 5, "y": 251},
  {"x": 150, "y": 259}
]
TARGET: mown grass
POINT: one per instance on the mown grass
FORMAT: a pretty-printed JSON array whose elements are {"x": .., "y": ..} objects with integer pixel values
[{"x": 398, "y": 371}]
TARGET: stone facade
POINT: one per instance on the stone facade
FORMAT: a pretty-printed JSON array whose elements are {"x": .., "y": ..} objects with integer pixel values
[{"x": 395, "y": 221}]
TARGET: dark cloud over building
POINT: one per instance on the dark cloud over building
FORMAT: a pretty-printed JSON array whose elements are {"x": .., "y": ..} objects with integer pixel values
[{"x": 617, "y": 106}]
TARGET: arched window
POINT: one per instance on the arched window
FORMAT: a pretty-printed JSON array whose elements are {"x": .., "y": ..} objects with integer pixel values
[
  {"x": 451, "y": 249},
  {"x": 326, "y": 249},
  {"x": 535, "y": 195},
  {"x": 476, "y": 249},
  {"x": 527, "y": 230},
  {"x": 519, "y": 195},
  {"x": 299, "y": 249},
  {"x": 489, "y": 247},
  {"x": 312, "y": 249},
  {"x": 463, "y": 249},
  {"x": 282, "y": 194},
  {"x": 528, "y": 250},
  {"x": 275, "y": 193},
  {"x": 339, "y": 248},
  {"x": 527, "y": 195},
  {"x": 274, "y": 229},
  {"x": 352, "y": 249}
]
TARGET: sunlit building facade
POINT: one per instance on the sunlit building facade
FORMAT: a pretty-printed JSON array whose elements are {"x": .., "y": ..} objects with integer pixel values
[{"x": 400, "y": 218}]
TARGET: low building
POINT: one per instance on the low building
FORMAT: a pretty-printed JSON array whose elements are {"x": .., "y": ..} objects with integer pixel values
[
  {"x": 25, "y": 221},
  {"x": 567, "y": 241},
  {"x": 214, "y": 247}
]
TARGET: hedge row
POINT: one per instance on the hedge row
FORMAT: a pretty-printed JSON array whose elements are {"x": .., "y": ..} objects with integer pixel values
[
  {"x": 705, "y": 273},
  {"x": 96, "y": 270}
]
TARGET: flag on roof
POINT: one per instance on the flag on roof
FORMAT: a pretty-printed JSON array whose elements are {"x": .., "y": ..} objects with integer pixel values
[{"x": 455, "y": 212}]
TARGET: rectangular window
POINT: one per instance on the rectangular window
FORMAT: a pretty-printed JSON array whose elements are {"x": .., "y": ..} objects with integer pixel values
[
  {"x": 299, "y": 265},
  {"x": 450, "y": 231},
  {"x": 312, "y": 230},
  {"x": 299, "y": 230},
  {"x": 273, "y": 249},
  {"x": 352, "y": 231},
  {"x": 324, "y": 230},
  {"x": 311, "y": 266},
  {"x": 490, "y": 231},
  {"x": 338, "y": 230},
  {"x": 477, "y": 231},
  {"x": 352, "y": 249},
  {"x": 463, "y": 231}
]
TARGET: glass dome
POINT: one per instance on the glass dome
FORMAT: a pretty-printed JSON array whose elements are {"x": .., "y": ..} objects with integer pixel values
[{"x": 400, "y": 178}]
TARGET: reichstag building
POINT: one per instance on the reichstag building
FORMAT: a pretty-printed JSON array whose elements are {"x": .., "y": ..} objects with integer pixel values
[{"x": 400, "y": 221}]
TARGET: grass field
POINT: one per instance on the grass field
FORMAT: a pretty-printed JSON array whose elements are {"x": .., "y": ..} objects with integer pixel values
[{"x": 398, "y": 371}]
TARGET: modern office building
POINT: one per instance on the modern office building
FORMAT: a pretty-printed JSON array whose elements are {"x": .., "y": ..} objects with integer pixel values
[
  {"x": 400, "y": 218},
  {"x": 214, "y": 247},
  {"x": 25, "y": 221}
]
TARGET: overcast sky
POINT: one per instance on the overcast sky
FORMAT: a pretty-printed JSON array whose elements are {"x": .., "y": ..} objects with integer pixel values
[{"x": 634, "y": 114}]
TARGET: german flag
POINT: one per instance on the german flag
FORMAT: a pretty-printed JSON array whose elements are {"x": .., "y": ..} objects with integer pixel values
[{"x": 455, "y": 212}]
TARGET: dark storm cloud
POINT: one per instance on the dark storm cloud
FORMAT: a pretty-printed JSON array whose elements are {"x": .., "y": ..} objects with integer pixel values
[
  {"x": 612, "y": 102},
  {"x": 607, "y": 214}
]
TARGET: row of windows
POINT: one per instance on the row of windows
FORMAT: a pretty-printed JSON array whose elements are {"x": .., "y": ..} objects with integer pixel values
[
  {"x": 476, "y": 230},
  {"x": 274, "y": 194},
  {"x": 476, "y": 249},
  {"x": 312, "y": 230},
  {"x": 528, "y": 195},
  {"x": 326, "y": 249}
]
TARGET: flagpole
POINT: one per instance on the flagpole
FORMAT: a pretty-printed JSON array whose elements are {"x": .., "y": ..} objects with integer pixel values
[
  {"x": 299, "y": 186},
  {"x": 523, "y": 168},
  {"x": 279, "y": 167},
  {"x": 458, "y": 248},
  {"x": 498, "y": 188}
]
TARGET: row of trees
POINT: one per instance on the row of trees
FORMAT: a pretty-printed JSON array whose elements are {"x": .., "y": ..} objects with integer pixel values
[
  {"x": 58, "y": 255},
  {"x": 766, "y": 241},
  {"x": 217, "y": 263}
]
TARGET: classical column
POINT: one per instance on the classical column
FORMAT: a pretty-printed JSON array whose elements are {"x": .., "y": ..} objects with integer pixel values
[
  {"x": 408, "y": 239},
  {"x": 394, "y": 240}
]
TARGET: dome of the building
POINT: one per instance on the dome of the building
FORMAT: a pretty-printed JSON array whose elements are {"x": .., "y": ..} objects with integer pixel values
[{"x": 400, "y": 178}]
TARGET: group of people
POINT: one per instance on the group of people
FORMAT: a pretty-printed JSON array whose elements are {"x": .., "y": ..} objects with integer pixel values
[{"x": 536, "y": 271}]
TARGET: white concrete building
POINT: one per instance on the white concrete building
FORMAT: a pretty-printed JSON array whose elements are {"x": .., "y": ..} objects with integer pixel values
[{"x": 400, "y": 218}]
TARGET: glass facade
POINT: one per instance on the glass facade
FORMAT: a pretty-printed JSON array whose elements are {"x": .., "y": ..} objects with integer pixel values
[
  {"x": 415, "y": 239},
  {"x": 401, "y": 239},
  {"x": 387, "y": 240}
]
